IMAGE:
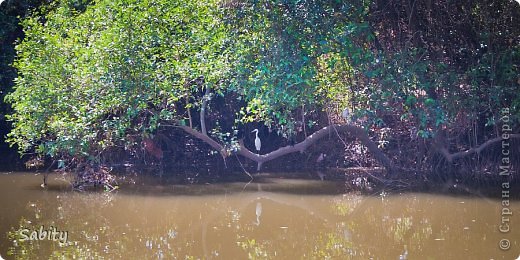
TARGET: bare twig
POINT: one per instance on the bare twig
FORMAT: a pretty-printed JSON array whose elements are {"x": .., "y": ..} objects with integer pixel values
[{"x": 248, "y": 174}]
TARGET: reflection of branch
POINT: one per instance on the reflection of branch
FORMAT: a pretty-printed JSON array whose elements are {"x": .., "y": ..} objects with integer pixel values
[
  {"x": 452, "y": 156},
  {"x": 356, "y": 131}
]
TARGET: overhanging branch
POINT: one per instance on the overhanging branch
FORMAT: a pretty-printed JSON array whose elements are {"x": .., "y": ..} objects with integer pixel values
[
  {"x": 450, "y": 157},
  {"x": 356, "y": 131},
  {"x": 214, "y": 144}
]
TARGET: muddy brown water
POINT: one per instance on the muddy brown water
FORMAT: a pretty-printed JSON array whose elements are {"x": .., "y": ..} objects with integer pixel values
[{"x": 272, "y": 219}]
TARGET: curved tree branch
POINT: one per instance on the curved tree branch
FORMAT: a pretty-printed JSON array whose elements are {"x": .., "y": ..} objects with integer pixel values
[
  {"x": 450, "y": 157},
  {"x": 214, "y": 144},
  {"x": 356, "y": 131}
]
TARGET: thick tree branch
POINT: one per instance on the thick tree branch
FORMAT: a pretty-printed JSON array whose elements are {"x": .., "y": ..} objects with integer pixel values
[
  {"x": 356, "y": 131},
  {"x": 214, "y": 144},
  {"x": 450, "y": 157}
]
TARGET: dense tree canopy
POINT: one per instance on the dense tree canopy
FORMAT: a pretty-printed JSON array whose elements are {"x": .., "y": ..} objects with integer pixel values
[
  {"x": 89, "y": 78},
  {"x": 101, "y": 74}
]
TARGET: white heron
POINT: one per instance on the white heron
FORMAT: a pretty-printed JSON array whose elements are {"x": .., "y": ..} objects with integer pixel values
[
  {"x": 258, "y": 143},
  {"x": 345, "y": 113}
]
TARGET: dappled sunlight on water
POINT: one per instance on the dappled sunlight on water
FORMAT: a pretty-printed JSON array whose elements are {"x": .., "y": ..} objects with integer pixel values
[{"x": 271, "y": 219}]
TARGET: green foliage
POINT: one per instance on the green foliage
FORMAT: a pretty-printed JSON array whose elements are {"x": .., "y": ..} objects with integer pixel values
[
  {"x": 294, "y": 54},
  {"x": 88, "y": 79},
  {"x": 228, "y": 139},
  {"x": 256, "y": 249},
  {"x": 438, "y": 73},
  {"x": 93, "y": 75}
]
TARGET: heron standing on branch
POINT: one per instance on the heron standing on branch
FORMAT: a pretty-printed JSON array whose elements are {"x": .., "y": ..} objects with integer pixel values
[
  {"x": 345, "y": 114},
  {"x": 258, "y": 143}
]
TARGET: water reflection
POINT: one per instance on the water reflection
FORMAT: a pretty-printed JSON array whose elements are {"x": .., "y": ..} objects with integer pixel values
[
  {"x": 404, "y": 256},
  {"x": 258, "y": 212},
  {"x": 230, "y": 221}
]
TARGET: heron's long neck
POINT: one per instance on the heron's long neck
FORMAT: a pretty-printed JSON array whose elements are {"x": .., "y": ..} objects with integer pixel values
[{"x": 256, "y": 134}]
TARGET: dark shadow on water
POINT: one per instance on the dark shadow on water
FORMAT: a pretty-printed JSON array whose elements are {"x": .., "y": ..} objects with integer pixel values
[
  {"x": 301, "y": 183},
  {"x": 300, "y": 187}
]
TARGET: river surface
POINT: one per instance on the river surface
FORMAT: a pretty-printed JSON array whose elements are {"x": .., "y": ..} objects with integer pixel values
[{"x": 271, "y": 218}]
